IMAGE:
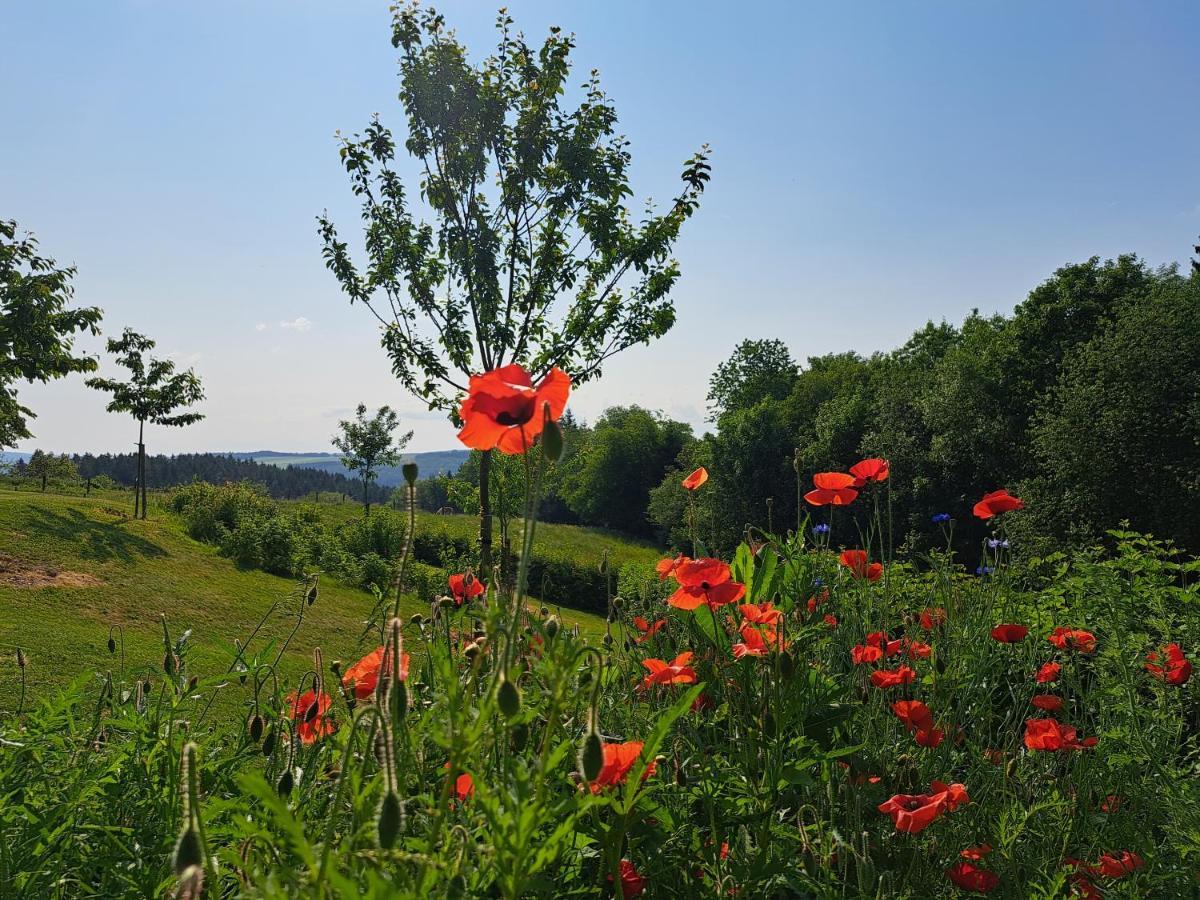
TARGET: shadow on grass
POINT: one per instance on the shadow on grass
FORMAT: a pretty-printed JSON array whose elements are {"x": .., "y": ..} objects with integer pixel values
[{"x": 97, "y": 541}]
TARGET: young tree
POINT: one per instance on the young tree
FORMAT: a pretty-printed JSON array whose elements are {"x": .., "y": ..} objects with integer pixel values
[
  {"x": 153, "y": 394},
  {"x": 366, "y": 444},
  {"x": 47, "y": 467},
  {"x": 36, "y": 326},
  {"x": 758, "y": 369},
  {"x": 529, "y": 219}
]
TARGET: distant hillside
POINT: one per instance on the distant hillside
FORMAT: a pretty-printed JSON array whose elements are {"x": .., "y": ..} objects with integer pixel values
[{"x": 435, "y": 463}]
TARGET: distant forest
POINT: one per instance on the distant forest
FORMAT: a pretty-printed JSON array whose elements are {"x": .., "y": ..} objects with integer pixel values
[{"x": 283, "y": 483}]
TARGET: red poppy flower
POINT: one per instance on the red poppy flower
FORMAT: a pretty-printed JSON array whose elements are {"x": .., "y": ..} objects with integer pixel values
[
  {"x": 976, "y": 853},
  {"x": 873, "y": 469},
  {"x": 618, "y": 760},
  {"x": 913, "y": 713},
  {"x": 1118, "y": 865},
  {"x": 929, "y": 737},
  {"x": 932, "y": 618},
  {"x": 666, "y": 567},
  {"x": 856, "y": 562},
  {"x": 363, "y": 677},
  {"x": 696, "y": 479},
  {"x": 763, "y": 614},
  {"x": 832, "y": 489},
  {"x": 503, "y": 408},
  {"x": 860, "y": 654},
  {"x": 310, "y": 714},
  {"x": 829, "y": 620},
  {"x": 997, "y": 502},
  {"x": 705, "y": 581},
  {"x": 913, "y": 813},
  {"x": 757, "y": 643},
  {"x": 675, "y": 672},
  {"x": 647, "y": 629},
  {"x": 916, "y": 649},
  {"x": 1050, "y": 736},
  {"x": 1110, "y": 804},
  {"x": 702, "y": 703},
  {"x": 890, "y": 678},
  {"x": 1048, "y": 702},
  {"x": 464, "y": 787},
  {"x": 971, "y": 878},
  {"x": 465, "y": 587},
  {"x": 1048, "y": 673},
  {"x": 632, "y": 882},
  {"x": 1009, "y": 634},
  {"x": 1073, "y": 639},
  {"x": 1177, "y": 669}
]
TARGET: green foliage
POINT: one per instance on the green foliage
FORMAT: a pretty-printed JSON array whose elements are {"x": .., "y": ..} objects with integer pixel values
[
  {"x": 608, "y": 479},
  {"x": 37, "y": 326},
  {"x": 154, "y": 390},
  {"x": 367, "y": 443},
  {"x": 46, "y": 467},
  {"x": 757, "y": 369}
]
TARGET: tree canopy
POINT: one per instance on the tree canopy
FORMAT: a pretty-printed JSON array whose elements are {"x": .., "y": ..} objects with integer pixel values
[{"x": 367, "y": 442}]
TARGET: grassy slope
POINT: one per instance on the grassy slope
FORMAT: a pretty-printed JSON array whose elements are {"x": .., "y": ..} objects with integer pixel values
[{"x": 149, "y": 568}]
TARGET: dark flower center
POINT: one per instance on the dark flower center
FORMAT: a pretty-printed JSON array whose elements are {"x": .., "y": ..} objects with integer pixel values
[{"x": 518, "y": 412}]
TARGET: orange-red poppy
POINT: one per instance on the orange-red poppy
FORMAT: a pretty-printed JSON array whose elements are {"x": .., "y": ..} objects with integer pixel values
[
  {"x": 913, "y": 813},
  {"x": 1176, "y": 668},
  {"x": 1118, "y": 865},
  {"x": 763, "y": 614},
  {"x": 678, "y": 671},
  {"x": 1048, "y": 673},
  {"x": 696, "y": 479},
  {"x": 465, "y": 587},
  {"x": 976, "y": 853},
  {"x": 932, "y": 618},
  {"x": 890, "y": 678},
  {"x": 618, "y": 760},
  {"x": 633, "y": 884},
  {"x": 363, "y": 677},
  {"x": 832, "y": 489},
  {"x": 1048, "y": 702},
  {"x": 1073, "y": 639},
  {"x": 856, "y": 562},
  {"x": 873, "y": 469},
  {"x": 1051, "y": 736},
  {"x": 503, "y": 409},
  {"x": 705, "y": 581},
  {"x": 997, "y": 502},
  {"x": 309, "y": 712},
  {"x": 647, "y": 629},
  {"x": 1009, "y": 634},
  {"x": 666, "y": 567},
  {"x": 970, "y": 877}
]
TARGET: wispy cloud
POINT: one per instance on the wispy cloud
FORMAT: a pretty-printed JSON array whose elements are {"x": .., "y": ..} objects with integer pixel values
[
  {"x": 261, "y": 326},
  {"x": 298, "y": 324}
]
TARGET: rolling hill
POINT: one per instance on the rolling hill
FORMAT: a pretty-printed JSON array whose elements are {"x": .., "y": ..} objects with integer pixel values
[{"x": 432, "y": 463}]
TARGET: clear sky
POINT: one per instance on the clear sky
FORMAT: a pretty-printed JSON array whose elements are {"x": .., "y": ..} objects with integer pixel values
[{"x": 875, "y": 165}]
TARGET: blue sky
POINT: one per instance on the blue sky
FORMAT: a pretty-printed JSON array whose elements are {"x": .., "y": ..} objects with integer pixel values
[{"x": 875, "y": 165}]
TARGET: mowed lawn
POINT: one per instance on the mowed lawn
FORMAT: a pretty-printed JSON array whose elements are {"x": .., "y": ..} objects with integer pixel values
[{"x": 110, "y": 569}]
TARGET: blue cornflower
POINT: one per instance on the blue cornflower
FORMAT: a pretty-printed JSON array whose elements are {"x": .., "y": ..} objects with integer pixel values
[
  {"x": 993, "y": 543},
  {"x": 940, "y": 518},
  {"x": 984, "y": 570},
  {"x": 821, "y": 529}
]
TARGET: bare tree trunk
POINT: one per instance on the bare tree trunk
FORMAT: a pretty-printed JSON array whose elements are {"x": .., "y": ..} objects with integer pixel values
[
  {"x": 366, "y": 498},
  {"x": 140, "y": 488},
  {"x": 485, "y": 515}
]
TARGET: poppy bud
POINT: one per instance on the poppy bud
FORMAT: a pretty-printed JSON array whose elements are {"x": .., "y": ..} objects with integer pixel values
[
  {"x": 243, "y": 677},
  {"x": 311, "y": 596},
  {"x": 591, "y": 756},
  {"x": 552, "y": 436},
  {"x": 192, "y": 682},
  {"x": 520, "y": 736},
  {"x": 256, "y": 727},
  {"x": 608, "y": 640},
  {"x": 680, "y": 774},
  {"x": 286, "y": 782},
  {"x": 112, "y": 645},
  {"x": 21, "y": 661},
  {"x": 551, "y": 626},
  {"x": 617, "y": 603},
  {"x": 391, "y": 817},
  {"x": 336, "y": 667},
  {"x": 543, "y": 611},
  {"x": 268, "y": 746},
  {"x": 399, "y": 700},
  {"x": 169, "y": 663},
  {"x": 508, "y": 697},
  {"x": 188, "y": 851},
  {"x": 410, "y": 471}
]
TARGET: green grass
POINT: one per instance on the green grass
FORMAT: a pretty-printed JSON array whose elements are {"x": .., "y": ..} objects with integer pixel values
[{"x": 148, "y": 569}]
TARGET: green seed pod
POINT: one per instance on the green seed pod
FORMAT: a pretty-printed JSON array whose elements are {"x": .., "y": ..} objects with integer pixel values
[
  {"x": 551, "y": 627},
  {"x": 520, "y": 736},
  {"x": 169, "y": 663},
  {"x": 336, "y": 667},
  {"x": 508, "y": 697},
  {"x": 21, "y": 661},
  {"x": 188, "y": 851},
  {"x": 591, "y": 756},
  {"x": 286, "y": 782},
  {"x": 680, "y": 774},
  {"x": 410, "y": 471},
  {"x": 415, "y": 620},
  {"x": 256, "y": 727},
  {"x": 552, "y": 440},
  {"x": 268, "y": 746},
  {"x": 617, "y": 602},
  {"x": 391, "y": 817},
  {"x": 311, "y": 596},
  {"x": 608, "y": 640}
]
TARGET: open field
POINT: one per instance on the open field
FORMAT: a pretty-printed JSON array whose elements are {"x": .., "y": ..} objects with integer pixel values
[{"x": 101, "y": 568}]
